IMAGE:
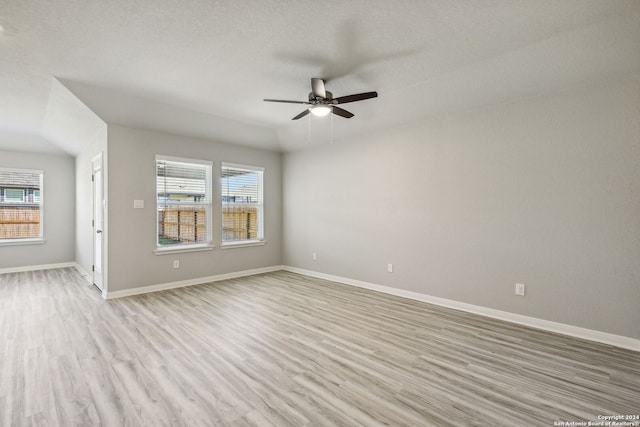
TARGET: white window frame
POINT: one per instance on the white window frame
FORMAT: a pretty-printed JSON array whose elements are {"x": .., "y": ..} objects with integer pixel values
[
  {"x": 28, "y": 240},
  {"x": 260, "y": 240},
  {"x": 208, "y": 205}
]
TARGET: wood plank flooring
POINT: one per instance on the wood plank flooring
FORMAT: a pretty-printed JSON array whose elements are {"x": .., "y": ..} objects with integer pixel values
[{"x": 281, "y": 349}]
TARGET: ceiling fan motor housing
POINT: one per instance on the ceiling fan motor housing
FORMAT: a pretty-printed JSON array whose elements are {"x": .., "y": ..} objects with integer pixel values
[{"x": 319, "y": 100}]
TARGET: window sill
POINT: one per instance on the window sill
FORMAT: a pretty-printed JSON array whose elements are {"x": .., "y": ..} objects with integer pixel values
[
  {"x": 194, "y": 248},
  {"x": 16, "y": 242},
  {"x": 242, "y": 244}
]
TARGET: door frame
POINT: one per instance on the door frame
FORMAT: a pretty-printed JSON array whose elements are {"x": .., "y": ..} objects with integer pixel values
[{"x": 97, "y": 221}]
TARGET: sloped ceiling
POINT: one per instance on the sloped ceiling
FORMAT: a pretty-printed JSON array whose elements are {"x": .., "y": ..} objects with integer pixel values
[{"x": 202, "y": 68}]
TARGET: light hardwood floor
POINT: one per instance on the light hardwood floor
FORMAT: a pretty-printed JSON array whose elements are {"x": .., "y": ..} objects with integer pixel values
[{"x": 281, "y": 349}]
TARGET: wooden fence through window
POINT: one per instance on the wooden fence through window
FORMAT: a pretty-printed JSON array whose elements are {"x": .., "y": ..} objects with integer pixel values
[
  {"x": 183, "y": 224},
  {"x": 188, "y": 224},
  {"x": 239, "y": 223},
  {"x": 19, "y": 222}
]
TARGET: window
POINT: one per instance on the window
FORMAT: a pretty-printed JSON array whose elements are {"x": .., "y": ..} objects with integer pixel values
[
  {"x": 20, "y": 205},
  {"x": 242, "y": 204},
  {"x": 184, "y": 203},
  {"x": 13, "y": 195}
]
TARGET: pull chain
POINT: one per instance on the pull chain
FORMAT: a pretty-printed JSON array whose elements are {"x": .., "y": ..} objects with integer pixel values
[
  {"x": 309, "y": 130},
  {"x": 331, "y": 119}
]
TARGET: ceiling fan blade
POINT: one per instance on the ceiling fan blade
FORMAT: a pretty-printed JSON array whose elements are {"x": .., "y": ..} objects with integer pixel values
[
  {"x": 317, "y": 87},
  {"x": 341, "y": 112},
  {"x": 356, "y": 97},
  {"x": 301, "y": 115},
  {"x": 288, "y": 102}
]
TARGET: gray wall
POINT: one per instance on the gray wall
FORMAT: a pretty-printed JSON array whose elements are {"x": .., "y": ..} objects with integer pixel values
[
  {"x": 59, "y": 215},
  {"x": 544, "y": 192},
  {"x": 132, "y": 232}
]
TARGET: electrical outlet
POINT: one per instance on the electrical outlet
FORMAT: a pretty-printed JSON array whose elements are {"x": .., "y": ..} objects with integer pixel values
[
  {"x": 390, "y": 268},
  {"x": 520, "y": 289},
  {"x": 315, "y": 256},
  {"x": 176, "y": 263}
]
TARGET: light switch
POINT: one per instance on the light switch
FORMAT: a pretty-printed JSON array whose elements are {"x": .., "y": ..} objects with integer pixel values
[{"x": 138, "y": 204}]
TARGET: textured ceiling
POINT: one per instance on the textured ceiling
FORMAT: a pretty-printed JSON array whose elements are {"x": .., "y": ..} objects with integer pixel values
[{"x": 202, "y": 68}]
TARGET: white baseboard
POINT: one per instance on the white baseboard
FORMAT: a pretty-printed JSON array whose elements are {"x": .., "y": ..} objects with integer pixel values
[
  {"x": 560, "y": 328},
  {"x": 189, "y": 282},
  {"x": 36, "y": 267}
]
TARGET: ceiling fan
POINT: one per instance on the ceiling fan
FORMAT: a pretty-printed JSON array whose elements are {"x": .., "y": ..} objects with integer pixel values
[{"x": 322, "y": 102}]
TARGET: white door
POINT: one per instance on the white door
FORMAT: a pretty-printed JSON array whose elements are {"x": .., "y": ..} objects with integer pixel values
[{"x": 98, "y": 220}]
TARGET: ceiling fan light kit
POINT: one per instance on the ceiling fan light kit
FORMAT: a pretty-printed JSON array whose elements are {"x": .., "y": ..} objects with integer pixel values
[
  {"x": 322, "y": 102},
  {"x": 320, "y": 110}
]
